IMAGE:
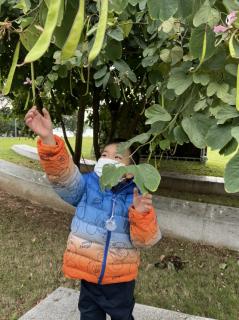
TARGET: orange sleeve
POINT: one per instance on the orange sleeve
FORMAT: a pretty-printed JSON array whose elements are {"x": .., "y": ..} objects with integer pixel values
[
  {"x": 144, "y": 228},
  {"x": 61, "y": 171}
]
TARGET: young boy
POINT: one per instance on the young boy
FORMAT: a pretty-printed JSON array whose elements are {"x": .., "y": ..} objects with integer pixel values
[{"x": 107, "y": 229}]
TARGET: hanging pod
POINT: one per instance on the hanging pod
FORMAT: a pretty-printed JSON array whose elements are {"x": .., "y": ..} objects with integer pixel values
[
  {"x": 8, "y": 84},
  {"x": 44, "y": 40},
  {"x": 100, "y": 33},
  {"x": 74, "y": 36}
]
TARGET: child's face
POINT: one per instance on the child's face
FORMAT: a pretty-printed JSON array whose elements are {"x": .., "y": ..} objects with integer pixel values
[{"x": 110, "y": 152}]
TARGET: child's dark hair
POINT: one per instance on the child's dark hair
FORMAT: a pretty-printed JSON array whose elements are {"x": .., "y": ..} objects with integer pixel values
[{"x": 135, "y": 157}]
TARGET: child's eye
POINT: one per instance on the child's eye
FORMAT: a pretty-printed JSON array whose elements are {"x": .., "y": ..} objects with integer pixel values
[{"x": 118, "y": 157}]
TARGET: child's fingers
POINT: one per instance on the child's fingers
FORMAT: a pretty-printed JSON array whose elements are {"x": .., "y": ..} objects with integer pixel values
[
  {"x": 46, "y": 114},
  {"x": 147, "y": 196},
  {"x": 136, "y": 193},
  {"x": 147, "y": 201}
]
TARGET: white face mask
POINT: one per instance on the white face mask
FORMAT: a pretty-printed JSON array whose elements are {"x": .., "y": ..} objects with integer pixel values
[{"x": 103, "y": 161}]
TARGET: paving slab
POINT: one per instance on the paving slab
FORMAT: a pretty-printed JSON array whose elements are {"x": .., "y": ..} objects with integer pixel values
[{"x": 62, "y": 304}]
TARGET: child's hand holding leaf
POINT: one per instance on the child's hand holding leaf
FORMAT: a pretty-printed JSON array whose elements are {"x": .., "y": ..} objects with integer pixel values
[{"x": 142, "y": 203}]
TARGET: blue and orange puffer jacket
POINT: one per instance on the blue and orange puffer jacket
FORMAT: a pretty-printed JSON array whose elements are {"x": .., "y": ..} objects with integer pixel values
[{"x": 93, "y": 253}]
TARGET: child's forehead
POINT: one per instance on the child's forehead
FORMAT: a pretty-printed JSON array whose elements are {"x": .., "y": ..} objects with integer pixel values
[{"x": 113, "y": 148}]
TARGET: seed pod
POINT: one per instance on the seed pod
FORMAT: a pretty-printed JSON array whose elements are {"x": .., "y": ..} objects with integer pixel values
[
  {"x": 8, "y": 84},
  {"x": 100, "y": 33},
  {"x": 44, "y": 40},
  {"x": 74, "y": 36}
]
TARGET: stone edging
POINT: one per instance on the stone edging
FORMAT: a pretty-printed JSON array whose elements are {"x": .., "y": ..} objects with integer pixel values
[{"x": 212, "y": 224}]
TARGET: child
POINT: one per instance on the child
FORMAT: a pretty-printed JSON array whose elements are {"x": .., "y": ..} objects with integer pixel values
[{"x": 107, "y": 229}]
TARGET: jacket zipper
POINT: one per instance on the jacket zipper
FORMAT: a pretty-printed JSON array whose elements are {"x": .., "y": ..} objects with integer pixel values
[{"x": 106, "y": 250}]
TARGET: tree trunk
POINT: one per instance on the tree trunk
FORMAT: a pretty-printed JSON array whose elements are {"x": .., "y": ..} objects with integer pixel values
[
  {"x": 79, "y": 134},
  {"x": 65, "y": 137},
  {"x": 96, "y": 123},
  {"x": 59, "y": 116}
]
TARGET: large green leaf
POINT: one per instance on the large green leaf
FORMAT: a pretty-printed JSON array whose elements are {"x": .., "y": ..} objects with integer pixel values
[
  {"x": 114, "y": 89},
  {"x": 231, "y": 5},
  {"x": 146, "y": 177},
  {"x": 117, "y": 6},
  {"x": 29, "y": 37},
  {"x": 116, "y": 34},
  {"x": 141, "y": 138},
  {"x": 179, "y": 81},
  {"x": 162, "y": 9},
  {"x": 180, "y": 135},
  {"x": 196, "y": 128},
  {"x": 24, "y": 5},
  {"x": 185, "y": 8},
  {"x": 235, "y": 133},
  {"x": 156, "y": 113},
  {"x": 201, "y": 78},
  {"x": 113, "y": 50},
  {"x": 218, "y": 136},
  {"x": 231, "y": 176},
  {"x": 196, "y": 42},
  {"x": 229, "y": 148},
  {"x": 206, "y": 14},
  {"x": 225, "y": 113}
]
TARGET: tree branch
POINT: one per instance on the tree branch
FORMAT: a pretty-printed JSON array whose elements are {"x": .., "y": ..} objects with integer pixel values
[{"x": 96, "y": 123}]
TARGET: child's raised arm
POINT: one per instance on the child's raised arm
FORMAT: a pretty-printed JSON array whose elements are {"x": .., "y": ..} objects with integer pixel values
[{"x": 62, "y": 173}]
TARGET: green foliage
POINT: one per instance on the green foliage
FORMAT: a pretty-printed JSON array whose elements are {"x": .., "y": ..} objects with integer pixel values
[
  {"x": 160, "y": 61},
  {"x": 146, "y": 177}
]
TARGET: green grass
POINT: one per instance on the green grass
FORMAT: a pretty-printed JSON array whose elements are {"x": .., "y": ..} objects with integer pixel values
[
  {"x": 9, "y": 155},
  {"x": 33, "y": 239},
  {"x": 214, "y": 166}
]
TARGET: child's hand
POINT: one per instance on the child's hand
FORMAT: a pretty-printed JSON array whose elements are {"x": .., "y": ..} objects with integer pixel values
[
  {"x": 41, "y": 125},
  {"x": 142, "y": 203}
]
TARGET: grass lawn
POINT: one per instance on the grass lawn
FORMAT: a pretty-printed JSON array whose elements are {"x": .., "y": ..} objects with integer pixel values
[
  {"x": 33, "y": 239},
  {"x": 9, "y": 155},
  {"x": 214, "y": 166}
]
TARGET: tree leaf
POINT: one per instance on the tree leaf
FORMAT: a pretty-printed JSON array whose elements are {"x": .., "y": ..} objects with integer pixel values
[
  {"x": 176, "y": 54},
  {"x": 117, "y": 6},
  {"x": 206, "y": 15},
  {"x": 200, "y": 105},
  {"x": 180, "y": 135},
  {"x": 100, "y": 73},
  {"x": 196, "y": 128},
  {"x": 235, "y": 133},
  {"x": 116, "y": 34},
  {"x": 201, "y": 78},
  {"x": 218, "y": 136},
  {"x": 231, "y": 176},
  {"x": 225, "y": 113},
  {"x": 156, "y": 113},
  {"x": 162, "y": 9},
  {"x": 196, "y": 42},
  {"x": 229, "y": 148},
  {"x": 113, "y": 50},
  {"x": 179, "y": 81},
  {"x": 146, "y": 177}
]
